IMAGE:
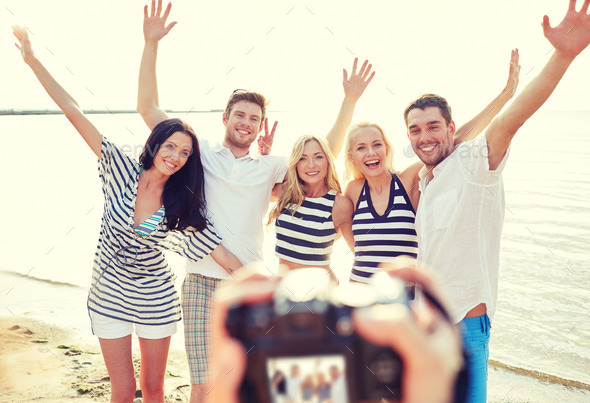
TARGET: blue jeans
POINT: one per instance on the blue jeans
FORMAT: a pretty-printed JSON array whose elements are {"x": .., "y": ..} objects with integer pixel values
[{"x": 476, "y": 339}]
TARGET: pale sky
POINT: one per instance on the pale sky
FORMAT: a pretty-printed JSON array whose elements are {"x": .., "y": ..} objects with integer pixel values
[{"x": 291, "y": 51}]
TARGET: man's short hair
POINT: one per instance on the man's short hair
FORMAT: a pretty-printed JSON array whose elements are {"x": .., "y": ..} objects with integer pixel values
[
  {"x": 427, "y": 100},
  {"x": 246, "y": 95}
]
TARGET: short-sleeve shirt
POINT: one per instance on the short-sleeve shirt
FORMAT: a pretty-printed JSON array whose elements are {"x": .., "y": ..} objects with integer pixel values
[
  {"x": 238, "y": 193},
  {"x": 459, "y": 223},
  {"x": 131, "y": 280}
]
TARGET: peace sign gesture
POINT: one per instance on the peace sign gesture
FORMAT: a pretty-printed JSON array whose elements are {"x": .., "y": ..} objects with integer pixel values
[{"x": 265, "y": 140}]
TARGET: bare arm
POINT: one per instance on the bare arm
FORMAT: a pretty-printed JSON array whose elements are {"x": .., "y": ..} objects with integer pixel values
[
  {"x": 353, "y": 89},
  {"x": 342, "y": 218},
  {"x": 569, "y": 38},
  {"x": 226, "y": 259},
  {"x": 154, "y": 29},
  {"x": 64, "y": 101},
  {"x": 471, "y": 129}
]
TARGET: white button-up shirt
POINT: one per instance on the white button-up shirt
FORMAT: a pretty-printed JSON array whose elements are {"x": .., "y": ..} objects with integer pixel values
[
  {"x": 459, "y": 223},
  {"x": 237, "y": 191}
]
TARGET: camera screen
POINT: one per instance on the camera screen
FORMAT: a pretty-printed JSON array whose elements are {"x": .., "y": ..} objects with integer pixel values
[{"x": 307, "y": 379}]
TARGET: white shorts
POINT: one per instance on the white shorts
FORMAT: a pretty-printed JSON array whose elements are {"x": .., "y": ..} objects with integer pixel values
[{"x": 109, "y": 328}]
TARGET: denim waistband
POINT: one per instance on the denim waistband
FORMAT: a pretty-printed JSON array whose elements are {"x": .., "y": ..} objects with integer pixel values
[{"x": 477, "y": 323}]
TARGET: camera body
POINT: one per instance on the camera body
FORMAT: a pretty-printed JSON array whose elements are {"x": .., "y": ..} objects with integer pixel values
[{"x": 307, "y": 328}]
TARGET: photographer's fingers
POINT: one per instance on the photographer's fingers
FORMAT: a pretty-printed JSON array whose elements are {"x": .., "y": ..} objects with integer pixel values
[
  {"x": 228, "y": 366},
  {"x": 406, "y": 268},
  {"x": 228, "y": 360},
  {"x": 390, "y": 325},
  {"x": 427, "y": 346}
]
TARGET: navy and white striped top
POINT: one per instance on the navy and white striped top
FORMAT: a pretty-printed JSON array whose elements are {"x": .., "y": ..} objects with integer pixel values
[
  {"x": 379, "y": 238},
  {"x": 307, "y": 236},
  {"x": 131, "y": 280}
]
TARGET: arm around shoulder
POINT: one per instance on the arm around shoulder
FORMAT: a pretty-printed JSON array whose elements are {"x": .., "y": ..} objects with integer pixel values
[{"x": 342, "y": 217}]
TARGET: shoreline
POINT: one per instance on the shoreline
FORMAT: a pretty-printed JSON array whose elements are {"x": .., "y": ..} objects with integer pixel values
[{"x": 39, "y": 361}]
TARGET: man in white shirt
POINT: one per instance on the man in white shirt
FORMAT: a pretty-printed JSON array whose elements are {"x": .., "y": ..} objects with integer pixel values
[
  {"x": 338, "y": 392},
  {"x": 461, "y": 209},
  {"x": 238, "y": 187}
]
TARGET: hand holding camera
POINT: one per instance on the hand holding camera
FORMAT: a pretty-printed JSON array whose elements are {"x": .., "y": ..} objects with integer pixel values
[{"x": 301, "y": 338}]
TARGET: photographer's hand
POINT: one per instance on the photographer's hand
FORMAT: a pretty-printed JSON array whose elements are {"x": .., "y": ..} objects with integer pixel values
[
  {"x": 428, "y": 344},
  {"x": 228, "y": 361}
]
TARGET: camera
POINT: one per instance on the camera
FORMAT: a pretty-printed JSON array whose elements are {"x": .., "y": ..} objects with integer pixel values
[{"x": 302, "y": 346}]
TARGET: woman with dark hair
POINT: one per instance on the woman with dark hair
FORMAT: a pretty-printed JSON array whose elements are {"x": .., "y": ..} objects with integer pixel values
[{"x": 151, "y": 205}]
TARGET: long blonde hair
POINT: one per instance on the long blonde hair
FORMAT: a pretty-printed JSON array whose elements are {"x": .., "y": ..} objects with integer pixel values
[
  {"x": 293, "y": 189},
  {"x": 351, "y": 171}
]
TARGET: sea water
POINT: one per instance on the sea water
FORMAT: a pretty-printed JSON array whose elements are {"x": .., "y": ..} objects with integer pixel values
[{"x": 52, "y": 206}]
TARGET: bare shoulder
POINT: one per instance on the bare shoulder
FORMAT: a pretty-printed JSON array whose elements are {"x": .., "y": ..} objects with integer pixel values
[{"x": 353, "y": 190}]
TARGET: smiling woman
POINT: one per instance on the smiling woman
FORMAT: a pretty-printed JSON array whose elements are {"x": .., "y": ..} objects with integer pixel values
[{"x": 149, "y": 206}]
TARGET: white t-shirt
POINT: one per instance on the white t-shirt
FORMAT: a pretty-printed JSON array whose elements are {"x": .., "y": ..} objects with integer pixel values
[
  {"x": 338, "y": 392},
  {"x": 459, "y": 223},
  {"x": 237, "y": 191},
  {"x": 293, "y": 387}
]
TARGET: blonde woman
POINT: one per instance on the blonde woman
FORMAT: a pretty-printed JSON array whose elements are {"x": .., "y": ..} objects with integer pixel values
[
  {"x": 385, "y": 201},
  {"x": 311, "y": 211}
]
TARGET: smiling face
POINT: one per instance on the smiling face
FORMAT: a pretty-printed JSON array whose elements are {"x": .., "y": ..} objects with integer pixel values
[
  {"x": 312, "y": 167},
  {"x": 368, "y": 151},
  {"x": 173, "y": 153},
  {"x": 242, "y": 125},
  {"x": 429, "y": 134}
]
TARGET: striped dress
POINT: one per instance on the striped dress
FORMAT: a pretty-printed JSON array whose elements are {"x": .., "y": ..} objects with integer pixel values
[
  {"x": 307, "y": 236},
  {"x": 379, "y": 238},
  {"x": 131, "y": 280}
]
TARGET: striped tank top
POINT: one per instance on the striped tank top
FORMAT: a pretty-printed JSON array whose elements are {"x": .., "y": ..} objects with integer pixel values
[
  {"x": 307, "y": 236},
  {"x": 379, "y": 238}
]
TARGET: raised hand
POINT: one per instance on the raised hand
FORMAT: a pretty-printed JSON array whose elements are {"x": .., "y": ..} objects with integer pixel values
[
  {"x": 572, "y": 35},
  {"x": 24, "y": 44},
  {"x": 356, "y": 84},
  {"x": 513, "y": 74},
  {"x": 154, "y": 24},
  {"x": 265, "y": 141}
]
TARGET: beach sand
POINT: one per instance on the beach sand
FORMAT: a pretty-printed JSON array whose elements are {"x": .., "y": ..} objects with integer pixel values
[
  {"x": 39, "y": 362},
  {"x": 46, "y": 363}
]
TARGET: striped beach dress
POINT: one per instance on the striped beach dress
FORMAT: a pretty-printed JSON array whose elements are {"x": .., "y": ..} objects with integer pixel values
[
  {"x": 131, "y": 280},
  {"x": 379, "y": 238},
  {"x": 307, "y": 236}
]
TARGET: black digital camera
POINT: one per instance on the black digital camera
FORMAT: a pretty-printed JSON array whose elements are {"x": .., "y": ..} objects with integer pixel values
[{"x": 302, "y": 345}]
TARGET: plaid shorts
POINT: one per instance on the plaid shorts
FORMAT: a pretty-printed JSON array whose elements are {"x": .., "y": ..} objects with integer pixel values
[{"x": 197, "y": 303}]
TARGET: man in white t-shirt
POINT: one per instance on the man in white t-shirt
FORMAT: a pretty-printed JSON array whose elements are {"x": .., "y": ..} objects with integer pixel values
[
  {"x": 338, "y": 393},
  {"x": 293, "y": 386},
  {"x": 238, "y": 187},
  {"x": 461, "y": 210}
]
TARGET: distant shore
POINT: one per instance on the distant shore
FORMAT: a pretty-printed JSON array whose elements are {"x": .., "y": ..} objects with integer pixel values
[{"x": 10, "y": 112}]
